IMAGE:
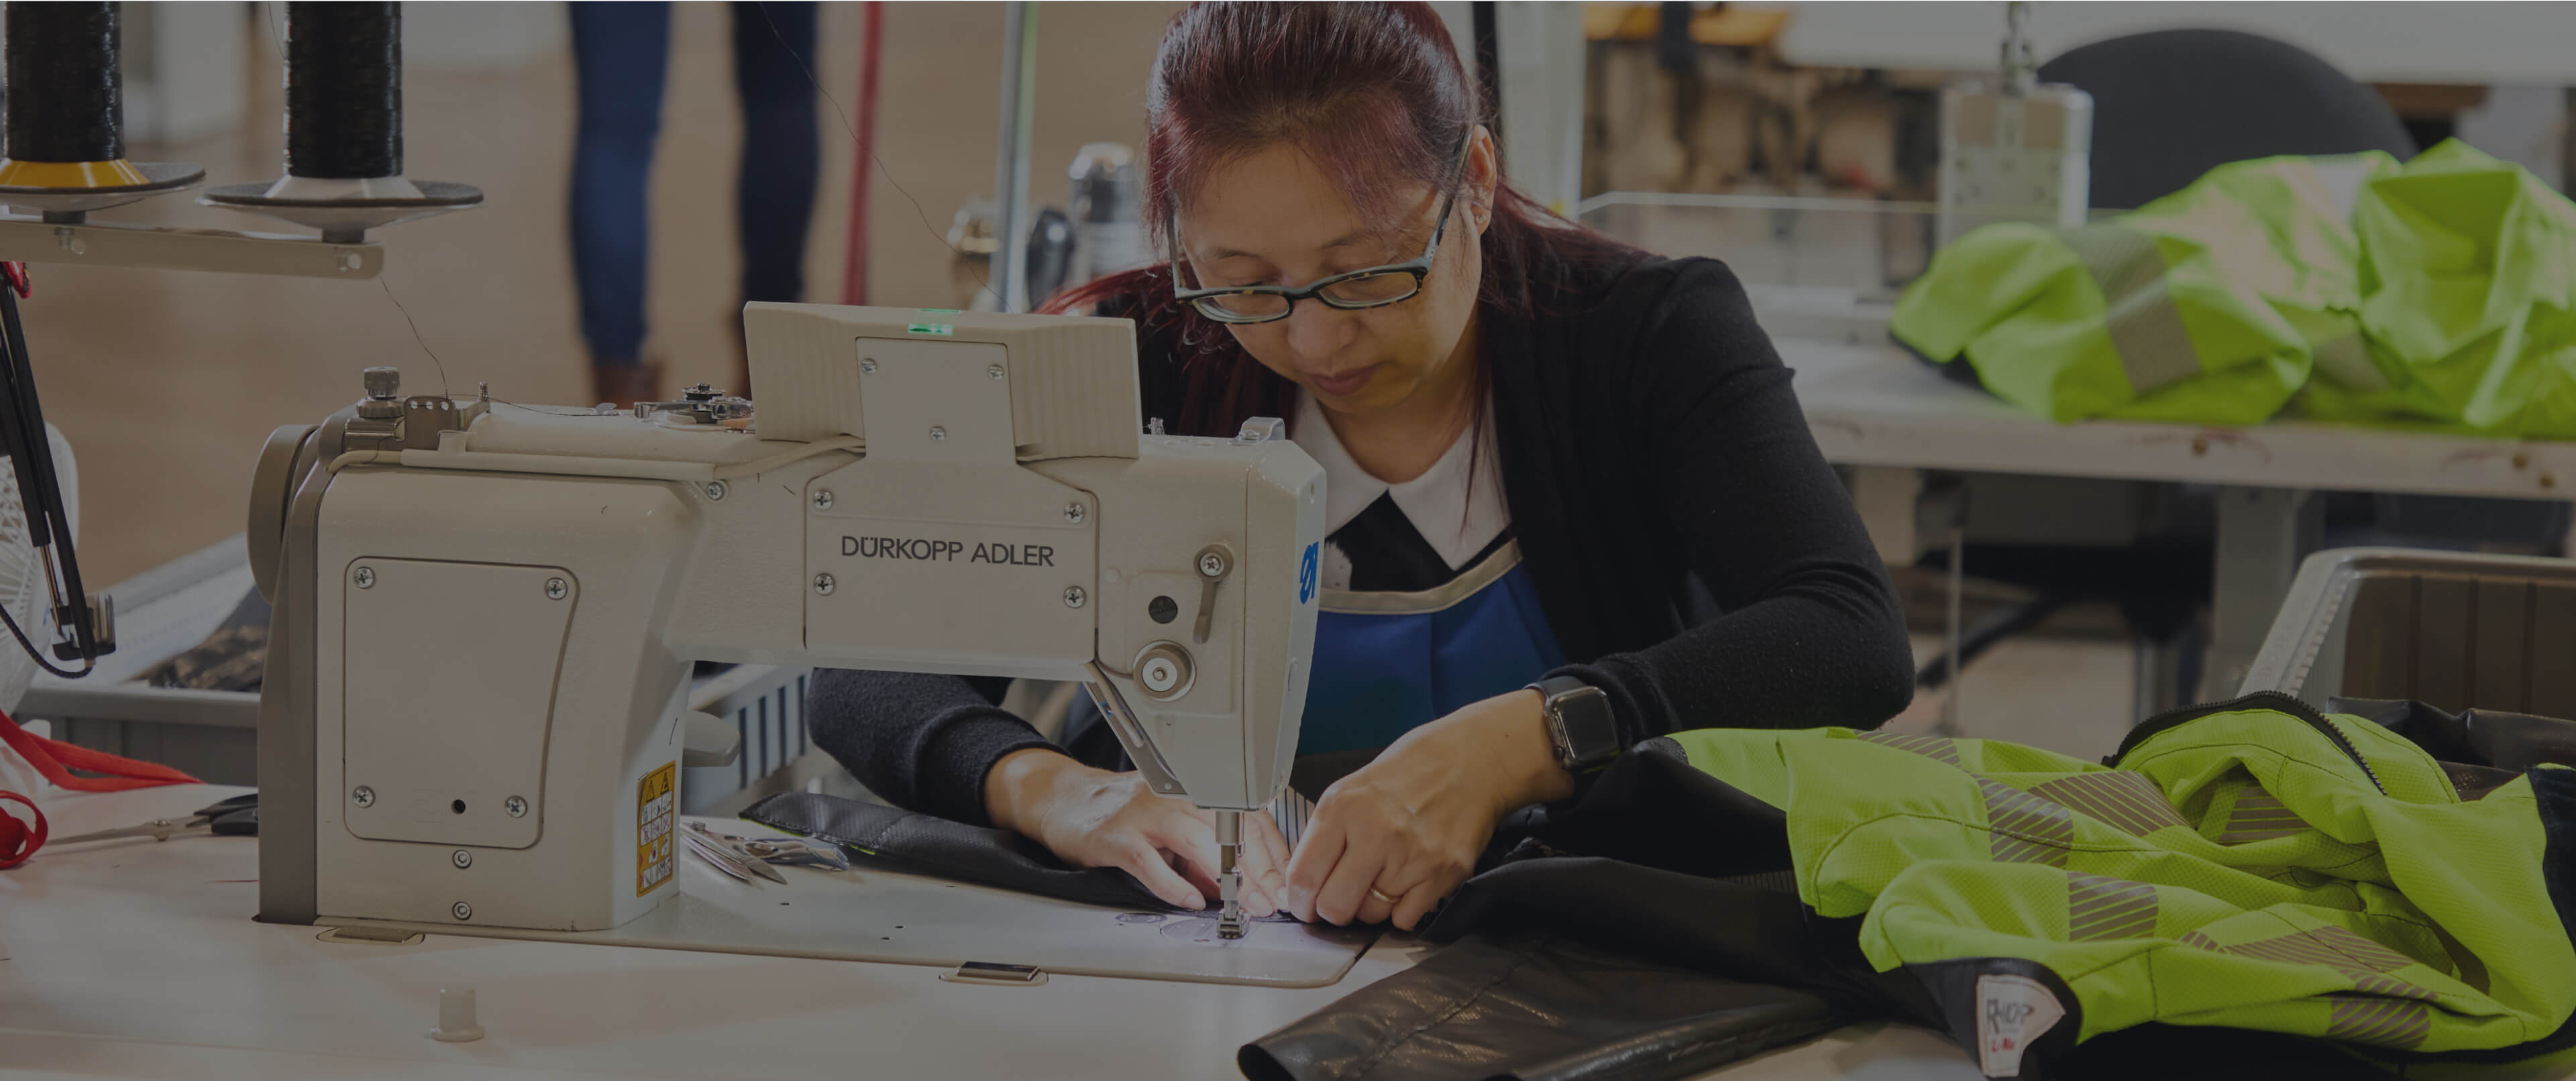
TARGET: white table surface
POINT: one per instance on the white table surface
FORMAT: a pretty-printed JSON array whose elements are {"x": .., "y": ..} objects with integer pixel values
[
  {"x": 1872, "y": 404},
  {"x": 139, "y": 959}
]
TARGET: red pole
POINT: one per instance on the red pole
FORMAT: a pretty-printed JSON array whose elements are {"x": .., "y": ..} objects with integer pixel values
[{"x": 854, "y": 269}]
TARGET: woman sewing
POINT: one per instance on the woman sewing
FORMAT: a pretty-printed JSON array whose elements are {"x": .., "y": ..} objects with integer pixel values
[{"x": 1548, "y": 457}]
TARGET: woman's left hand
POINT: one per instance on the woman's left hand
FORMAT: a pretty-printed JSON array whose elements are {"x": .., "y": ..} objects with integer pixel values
[{"x": 1392, "y": 839}]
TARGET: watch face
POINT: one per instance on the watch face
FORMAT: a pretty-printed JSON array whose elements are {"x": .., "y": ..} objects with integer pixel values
[{"x": 1579, "y": 723}]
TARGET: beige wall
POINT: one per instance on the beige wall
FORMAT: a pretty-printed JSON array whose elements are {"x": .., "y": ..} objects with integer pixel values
[{"x": 166, "y": 383}]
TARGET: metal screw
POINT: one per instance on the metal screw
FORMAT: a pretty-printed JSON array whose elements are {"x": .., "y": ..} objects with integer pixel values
[
  {"x": 715, "y": 489},
  {"x": 1160, "y": 676},
  {"x": 868, "y": 365},
  {"x": 557, "y": 589},
  {"x": 994, "y": 372},
  {"x": 1075, "y": 512},
  {"x": 463, "y": 859},
  {"x": 1074, "y": 597},
  {"x": 822, "y": 499},
  {"x": 462, "y": 911},
  {"x": 366, "y": 577},
  {"x": 937, "y": 433},
  {"x": 517, "y": 807},
  {"x": 1211, "y": 564},
  {"x": 363, "y": 796},
  {"x": 824, "y": 584}
]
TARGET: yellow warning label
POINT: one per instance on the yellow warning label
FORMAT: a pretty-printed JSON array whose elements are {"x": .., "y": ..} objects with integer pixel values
[{"x": 655, "y": 803}]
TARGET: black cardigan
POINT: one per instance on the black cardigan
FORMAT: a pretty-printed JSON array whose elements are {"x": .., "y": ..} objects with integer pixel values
[{"x": 1648, "y": 434}]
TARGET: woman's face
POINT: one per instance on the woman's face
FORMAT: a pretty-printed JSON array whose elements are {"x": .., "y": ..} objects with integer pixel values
[{"x": 1272, "y": 218}]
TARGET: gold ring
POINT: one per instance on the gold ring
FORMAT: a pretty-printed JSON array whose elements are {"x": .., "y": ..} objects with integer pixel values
[{"x": 1380, "y": 896}]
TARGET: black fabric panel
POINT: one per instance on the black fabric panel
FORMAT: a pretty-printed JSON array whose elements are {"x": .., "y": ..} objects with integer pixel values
[
  {"x": 1536, "y": 1008},
  {"x": 2161, "y": 1052},
  {"x": 1660, "y": 859},
  {"x": 914, "y": 843},
  {"x": 2479, "y": 737},
  {"x": 1654, "y": 809}
]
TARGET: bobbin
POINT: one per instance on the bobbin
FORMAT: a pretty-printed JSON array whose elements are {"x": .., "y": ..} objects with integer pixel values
[
  {"x": 66, "y": 117},
  {"x": 344, "y": 168}
]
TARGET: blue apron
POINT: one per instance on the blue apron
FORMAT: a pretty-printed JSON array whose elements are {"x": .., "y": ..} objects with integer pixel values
[{"x": 1386, "y": 663}]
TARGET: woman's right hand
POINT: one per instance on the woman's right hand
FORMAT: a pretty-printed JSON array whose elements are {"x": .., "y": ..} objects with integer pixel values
[{"x": 1094, "y": 818}]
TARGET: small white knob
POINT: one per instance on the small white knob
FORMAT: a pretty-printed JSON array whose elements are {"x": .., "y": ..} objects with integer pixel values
[{"x": 456, "y": 1016}]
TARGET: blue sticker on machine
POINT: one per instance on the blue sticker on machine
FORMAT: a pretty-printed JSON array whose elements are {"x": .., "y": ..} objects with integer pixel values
[{"x": 1306, "y": 573}]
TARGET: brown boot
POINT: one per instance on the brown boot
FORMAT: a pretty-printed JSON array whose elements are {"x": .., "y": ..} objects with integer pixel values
[{"x": 623, "y": 385}]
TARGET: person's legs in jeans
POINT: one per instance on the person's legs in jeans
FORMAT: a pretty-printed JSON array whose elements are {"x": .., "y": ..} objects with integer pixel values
[
  {"x": 773, "y": 53},
  {"x": 620, "y": 54}
]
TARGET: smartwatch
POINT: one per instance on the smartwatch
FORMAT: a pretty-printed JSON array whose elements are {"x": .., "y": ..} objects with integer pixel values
[{"x": 1579, "y": 727}]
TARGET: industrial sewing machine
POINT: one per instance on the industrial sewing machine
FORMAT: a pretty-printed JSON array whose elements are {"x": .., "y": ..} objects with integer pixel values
[{"x": 486, "y": 613}]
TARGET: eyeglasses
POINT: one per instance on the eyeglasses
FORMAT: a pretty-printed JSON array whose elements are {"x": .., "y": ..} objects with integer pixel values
[{"x": 1369, "y": 287}]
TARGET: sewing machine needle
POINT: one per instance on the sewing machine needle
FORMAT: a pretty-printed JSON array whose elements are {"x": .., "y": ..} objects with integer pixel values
[{"x": 1229, "y": 876}]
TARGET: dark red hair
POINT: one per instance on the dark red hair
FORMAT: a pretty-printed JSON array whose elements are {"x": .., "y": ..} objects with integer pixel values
[{"x": 1375, "y": 95}]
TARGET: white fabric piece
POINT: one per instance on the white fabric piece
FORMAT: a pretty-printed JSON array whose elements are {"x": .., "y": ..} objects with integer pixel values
[{"x": 1458, "y": 520}]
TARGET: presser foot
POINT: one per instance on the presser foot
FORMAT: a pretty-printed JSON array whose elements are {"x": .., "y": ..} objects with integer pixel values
[
  {"x": 1229, "y": 874},
  {"x": 1229, "y": 915}
]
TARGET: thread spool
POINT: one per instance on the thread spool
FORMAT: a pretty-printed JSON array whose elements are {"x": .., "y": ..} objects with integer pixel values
[
  {"x": 66, "y": 111},
  {"x": 344, "y": 90},
  {"x": 344, "y": 152}
]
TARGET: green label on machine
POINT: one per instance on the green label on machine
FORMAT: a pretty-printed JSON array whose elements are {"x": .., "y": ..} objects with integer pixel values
[{"x": 932, "y": 328}]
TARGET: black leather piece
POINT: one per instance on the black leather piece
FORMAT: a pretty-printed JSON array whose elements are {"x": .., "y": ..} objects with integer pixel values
[
  {"x": 1709, "y": 924},
  {"x": 915, "y": 843},
  {"x": 2477, "y": 737},
  {"x": 1536, "y": 1008}
]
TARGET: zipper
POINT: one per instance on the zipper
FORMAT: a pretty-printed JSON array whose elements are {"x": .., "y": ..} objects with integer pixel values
[{"x": 2271, "y": 700}]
